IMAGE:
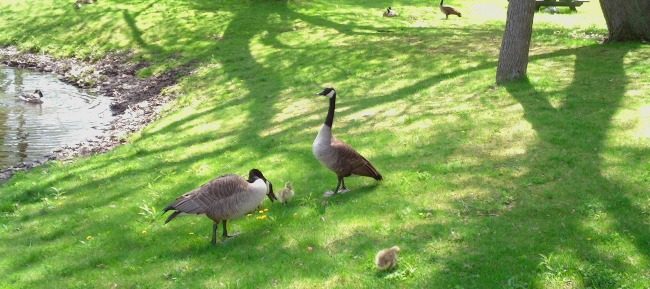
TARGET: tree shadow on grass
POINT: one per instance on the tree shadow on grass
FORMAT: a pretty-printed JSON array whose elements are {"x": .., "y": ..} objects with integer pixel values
[{"x": 564, "y": 185}]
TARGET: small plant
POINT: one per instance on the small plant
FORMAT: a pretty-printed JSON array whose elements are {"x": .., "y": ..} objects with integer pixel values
[
  {"x": 550, "y": 266},
  {"x": 423, "y": 176},
  {"x": 515, "y": 283},
  {"x": 426, "y": 214},
  {"x": 308, "y": 200},
  {"x": 58, "y": 194},
  {"x": 506, "y": 198},
  {"x": 149, "y": 213},
  {"x": 401, "y": 274},
  {"x": 153, "y": 192}
]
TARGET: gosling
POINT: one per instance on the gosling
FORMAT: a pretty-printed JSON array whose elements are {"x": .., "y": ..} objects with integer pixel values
[
  {"x": 386, "y": 259},
  {"x": 286, "y": 193}
]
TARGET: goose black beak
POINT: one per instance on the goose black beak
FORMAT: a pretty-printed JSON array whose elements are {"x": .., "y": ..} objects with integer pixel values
[{"x": 271, "y": 195}]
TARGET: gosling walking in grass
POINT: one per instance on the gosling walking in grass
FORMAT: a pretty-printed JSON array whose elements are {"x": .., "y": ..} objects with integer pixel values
[
  {"x": 386, "y": 259},
  {"x": 286, "y": 193}
]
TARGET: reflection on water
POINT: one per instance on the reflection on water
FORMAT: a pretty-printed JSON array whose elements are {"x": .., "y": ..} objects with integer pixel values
[{"x": 68, "y": 115}]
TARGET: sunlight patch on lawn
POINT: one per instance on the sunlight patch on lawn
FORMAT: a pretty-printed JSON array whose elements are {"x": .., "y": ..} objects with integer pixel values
[
  {"x": 644, "y": 121},
  {"x": 512, "y": 140}
]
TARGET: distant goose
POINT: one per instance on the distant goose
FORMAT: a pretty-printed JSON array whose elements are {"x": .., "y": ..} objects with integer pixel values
[
  {"x": 80, "y": 2},
  {"x": 285, "y": 193},
  {"x": 34, "y": 97},
  {"x": 337, "y": 155},
  {"x": 448, "y": 10},
  {"x": 224, "y": 198},
  {"x": 390, "y": 12},
  {"x": 386, "y": 259}
]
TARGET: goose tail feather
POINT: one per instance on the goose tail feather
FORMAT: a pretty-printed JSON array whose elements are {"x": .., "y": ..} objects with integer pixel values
[
  {"x": 368, "y": 170},
  {"x": 185, "y": 204},
  {"x": 172, "y": 216},
  {"x": 374, "y": 173}
]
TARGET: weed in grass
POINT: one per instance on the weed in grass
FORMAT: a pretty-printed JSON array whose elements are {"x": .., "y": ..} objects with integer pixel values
[
  {"x": 58, "y": 193},
  {"x": 400, "y": 274},
  {"x": 9, "y": 208},
  {"x": 308, "y": 200},
  {"x": 515, "y": 283},
  {"x": 506, "y": 198},
  {"x": 549, "y": 265},
  {"x": 423, "y": 176},
  {"x": 149, "y": 213}
]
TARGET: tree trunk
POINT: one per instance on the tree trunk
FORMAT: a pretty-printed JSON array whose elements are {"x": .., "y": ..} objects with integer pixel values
[
  {"x": 513, "y": 57},
  {"x": 627, "y": 20}
]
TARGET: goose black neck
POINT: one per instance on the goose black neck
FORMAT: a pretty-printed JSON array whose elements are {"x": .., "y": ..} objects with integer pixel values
[
  {"x": 330, "y": 113},
  {"x": 441, "y": 2}
]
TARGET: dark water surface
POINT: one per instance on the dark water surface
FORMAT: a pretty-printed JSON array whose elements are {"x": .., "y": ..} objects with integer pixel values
[{"x": 67, "y": 116}]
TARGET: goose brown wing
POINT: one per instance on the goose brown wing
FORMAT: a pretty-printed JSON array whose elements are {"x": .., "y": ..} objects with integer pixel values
[
  {"x": 449, "y": 10},
  {"x": 352, "y": 162},
  {"x": 199, "y": 200}
]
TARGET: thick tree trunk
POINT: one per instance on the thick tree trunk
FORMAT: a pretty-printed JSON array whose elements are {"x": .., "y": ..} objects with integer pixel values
[
  {"x": 513, "y": 57},
  {"x": 627, "y": 19}
]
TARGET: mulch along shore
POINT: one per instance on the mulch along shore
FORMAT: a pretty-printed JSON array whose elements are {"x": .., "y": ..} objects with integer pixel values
[{"x": 135, "y": 102}]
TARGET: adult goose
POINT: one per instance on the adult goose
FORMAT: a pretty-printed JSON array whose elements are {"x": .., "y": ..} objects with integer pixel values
[
  {"x": 224, "y": 198},
  {"x": 34, "y": 97},
  {"x": 80, "y": 2},
  {"x": 337, "y": 155},
  {"x": 390, "y": 12},
  {"x": 448, "y": 10}
]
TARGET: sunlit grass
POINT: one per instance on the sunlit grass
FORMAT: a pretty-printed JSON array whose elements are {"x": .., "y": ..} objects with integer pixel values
[{"x": 537, "y": 184}]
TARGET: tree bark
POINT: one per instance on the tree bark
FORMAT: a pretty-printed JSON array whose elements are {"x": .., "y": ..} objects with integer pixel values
[
  {"x": 627, "y": 20},
  {"x": 513, "y": 57}
]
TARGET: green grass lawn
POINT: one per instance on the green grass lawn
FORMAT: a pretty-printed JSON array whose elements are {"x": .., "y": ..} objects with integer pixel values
[{"x": 538, "y": 184}]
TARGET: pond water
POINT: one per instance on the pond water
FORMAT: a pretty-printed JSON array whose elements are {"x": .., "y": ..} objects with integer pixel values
[{"x": 67, "y": 116}]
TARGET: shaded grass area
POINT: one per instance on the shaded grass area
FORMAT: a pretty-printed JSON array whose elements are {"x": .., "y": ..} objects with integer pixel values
[{"x": 537, "y": 184}]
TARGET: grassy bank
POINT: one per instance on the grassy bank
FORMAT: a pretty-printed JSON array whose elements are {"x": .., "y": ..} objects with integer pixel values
[{"x": 537, "y": 184}]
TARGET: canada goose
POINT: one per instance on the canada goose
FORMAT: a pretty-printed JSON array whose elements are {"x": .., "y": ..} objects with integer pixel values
[
  {"x": 551, "y": 10},
  {"x": 448, "y": 10},
  {"x": 34, "y": 97},
  {"x": 79, "y": 2},
  {"x": 338, "y": 156},
  {"x": 390, "y": 12},
  {"x": 224, "y": 198},
  {"x": 285, "y": 193},
  {"x": 386, "y": 259}
]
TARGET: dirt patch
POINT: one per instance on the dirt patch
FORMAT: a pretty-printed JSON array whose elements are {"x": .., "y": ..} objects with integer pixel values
[{"x": 135, "y": 103}]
